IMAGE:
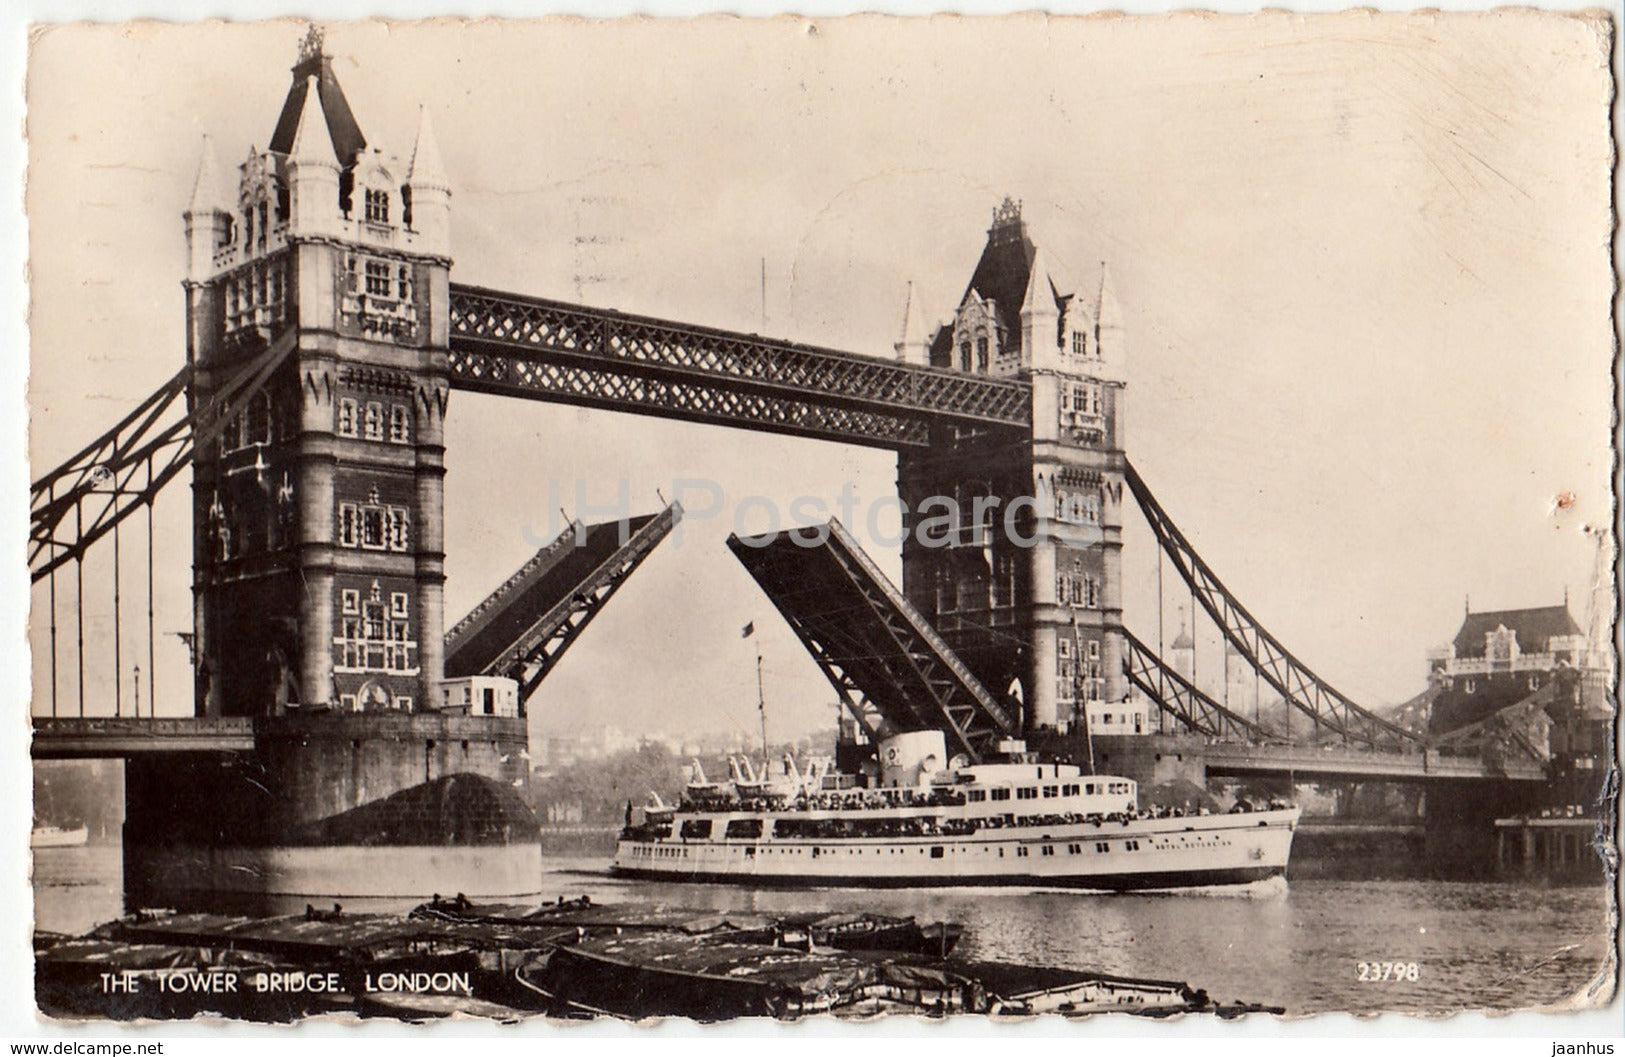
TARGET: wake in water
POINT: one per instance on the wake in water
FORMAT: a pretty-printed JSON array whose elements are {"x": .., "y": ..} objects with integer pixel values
[{"x": 1269, "y": 888}]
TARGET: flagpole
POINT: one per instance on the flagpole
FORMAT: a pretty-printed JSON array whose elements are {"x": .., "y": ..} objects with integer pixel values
[{"x": 761, "y": 707}]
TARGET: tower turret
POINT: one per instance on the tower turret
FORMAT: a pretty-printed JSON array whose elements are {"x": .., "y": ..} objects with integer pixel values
[
  {"x": 1109, "y": 329},
  {"x": 1040, "y": 319},
  {"x": 913, "y": 345},
  {"x": 313, "y": 171},
  {"x": 207, "y": 216},
  {"x": 426, "y": 197}
]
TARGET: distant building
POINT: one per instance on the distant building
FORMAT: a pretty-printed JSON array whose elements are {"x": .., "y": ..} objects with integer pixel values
[
  {"x": 1183, "y": 649},
  {"x": 1500, "y": 658},
  {"x": 552, "y": 750}
]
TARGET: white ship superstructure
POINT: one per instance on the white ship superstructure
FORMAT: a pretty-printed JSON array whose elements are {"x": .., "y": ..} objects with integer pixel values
[{"x": 919, "y": 823}]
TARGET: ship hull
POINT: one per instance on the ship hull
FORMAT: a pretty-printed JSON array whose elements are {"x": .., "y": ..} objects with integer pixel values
[
  {"x": 1124, "y": 882},
  {"x": 1140, "y": 855}
]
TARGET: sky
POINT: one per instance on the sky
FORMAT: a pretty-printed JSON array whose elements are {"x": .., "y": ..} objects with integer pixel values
[{"x": 1362, "y": 261}]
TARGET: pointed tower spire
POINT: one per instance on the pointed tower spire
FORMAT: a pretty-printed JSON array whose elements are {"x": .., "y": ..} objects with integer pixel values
[
  {"x": 426, "y": 170},
  {"x": 207, "y": 192},
  {"x": 1040, "y": 317},
  {"x": 914, "y": 343},
  {"x": 207, "y": 217},
  {"x": 427, "y": 193},
  {"x": 313, "y": 171},
  {"x": 313, "y": 75},
  {"x": 1040, "y": 294},
  {"x": 311, "y": 141}
]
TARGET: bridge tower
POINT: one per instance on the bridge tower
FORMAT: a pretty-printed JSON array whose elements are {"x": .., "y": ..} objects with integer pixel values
[
  {"x": 318, "y": 556},
  {"x": 322, "y": 271},
  {"x": 1022, "y": 572}
]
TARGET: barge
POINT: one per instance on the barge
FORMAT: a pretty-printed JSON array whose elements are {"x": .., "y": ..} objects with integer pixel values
[{"x": 569, "y": 959}]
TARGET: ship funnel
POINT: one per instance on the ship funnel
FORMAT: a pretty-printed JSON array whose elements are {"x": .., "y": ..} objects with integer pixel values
[{"x": 908, "y": 759}]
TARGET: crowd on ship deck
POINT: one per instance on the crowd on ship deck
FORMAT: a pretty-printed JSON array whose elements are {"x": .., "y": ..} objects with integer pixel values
[
  {"x": 888, "y": 799},
  {"x": 926, "y": 825}
]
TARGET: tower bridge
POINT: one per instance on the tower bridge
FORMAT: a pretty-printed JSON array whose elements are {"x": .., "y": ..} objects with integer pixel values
[{"x": 324, "y": 340}]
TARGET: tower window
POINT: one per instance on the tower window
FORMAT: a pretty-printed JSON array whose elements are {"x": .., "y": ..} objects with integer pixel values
[
  {"x": 964, "y": 356},
  {"x": 981, "y": 353},
  {"x": 400, "y": 526},
  {"x": 376, "y": 204},
  {"x": 1080, "y": 343},
  {"x": 372, "y": 527},
  {"x": 375, "y": 421},
  {"x": 375, "y": 527},
  {"x": 403, "y": 283},
  {"x": 1004, "y": 580},
  {"x": 376, "y": 637},
  {"x": 258, "y": 420},
  {"x": 377, "y": 278},
  {"x": 347, "y": 426},
  {"x": 349, "y": 525},
  {"x": 351, "y": 601},
  {"x": 400, "y": 425}
]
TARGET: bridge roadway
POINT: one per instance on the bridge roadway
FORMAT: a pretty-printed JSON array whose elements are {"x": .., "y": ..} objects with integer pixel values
[
  {"x": 75, "y": 738},
  {"x": 92, "y": 737},
  {"x": 1331, "y": 762}
]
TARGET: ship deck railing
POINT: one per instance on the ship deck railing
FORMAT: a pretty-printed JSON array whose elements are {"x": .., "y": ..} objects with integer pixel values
[{"x": 954, "y": 827}]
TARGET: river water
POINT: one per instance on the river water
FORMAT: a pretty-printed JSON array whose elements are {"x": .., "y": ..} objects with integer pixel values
[{"x": 1476, "y": 945}]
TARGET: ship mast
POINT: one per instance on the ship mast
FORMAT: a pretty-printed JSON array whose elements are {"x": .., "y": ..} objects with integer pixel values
[{"x": 1079, "y": 694}]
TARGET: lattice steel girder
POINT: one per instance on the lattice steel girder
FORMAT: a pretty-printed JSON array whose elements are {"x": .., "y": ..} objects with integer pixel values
[
  {"x": 1292, "y": 679},
  {"x": 869, "y": 717},
  {"x": 539, "y": 650},
  {"x": 505, "y": 343},
  {"x": 602, "y": 386},
  {"x": 1183, "y": 700},
  {"x": 125, "y": 468},
  {"x": 1417, "y": 713},
  {"x": 1513, "y": 721},
  {"x": 876, "y": 649}
]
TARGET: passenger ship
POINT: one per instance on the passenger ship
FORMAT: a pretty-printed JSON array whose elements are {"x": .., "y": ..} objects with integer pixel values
[{"x": 925, "y": 824}]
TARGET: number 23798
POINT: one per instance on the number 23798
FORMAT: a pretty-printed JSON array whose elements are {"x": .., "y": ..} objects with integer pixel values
[{"x": 1387, "y": 972}]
